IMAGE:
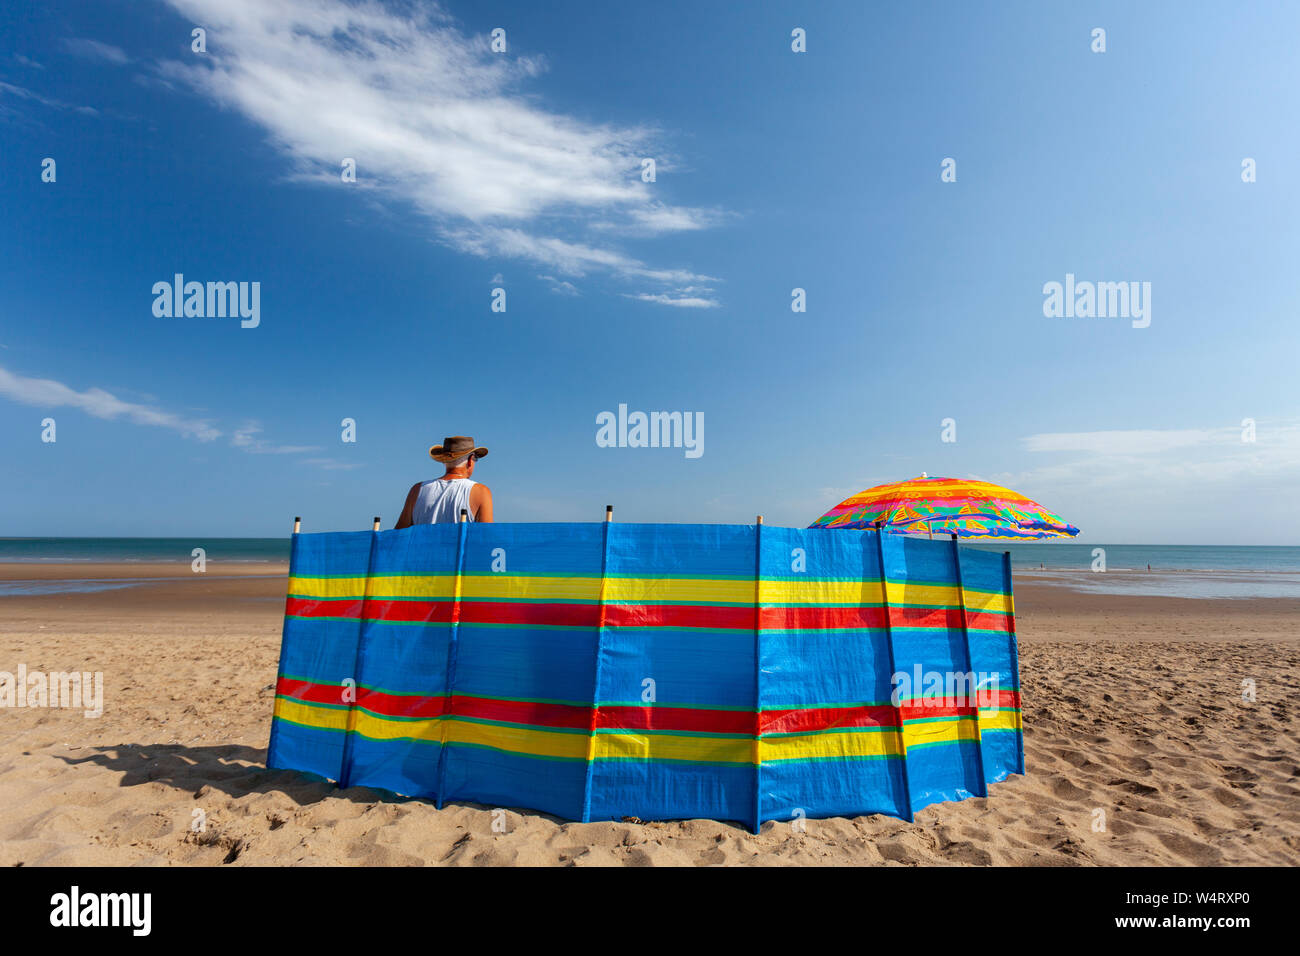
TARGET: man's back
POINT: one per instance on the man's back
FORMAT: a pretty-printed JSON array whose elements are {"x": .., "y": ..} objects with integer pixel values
[{"x": 440, "y": 501}]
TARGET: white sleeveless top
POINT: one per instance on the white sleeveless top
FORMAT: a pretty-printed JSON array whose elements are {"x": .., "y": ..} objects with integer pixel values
[{"x": 439, "y": 502}]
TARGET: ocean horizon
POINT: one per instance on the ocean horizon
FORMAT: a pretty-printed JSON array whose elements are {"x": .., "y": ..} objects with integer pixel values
[{"x": 1045, "y": 555}]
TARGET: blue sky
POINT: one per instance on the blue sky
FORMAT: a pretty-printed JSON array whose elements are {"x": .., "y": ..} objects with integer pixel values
[{"x": 521, "y": 170}]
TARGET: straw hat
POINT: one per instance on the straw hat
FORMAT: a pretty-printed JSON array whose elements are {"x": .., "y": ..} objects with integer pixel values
[{"x": 457, "y": 446}]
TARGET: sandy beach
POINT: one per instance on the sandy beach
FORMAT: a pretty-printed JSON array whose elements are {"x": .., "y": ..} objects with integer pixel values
[{"x": 1133, "y": 713}]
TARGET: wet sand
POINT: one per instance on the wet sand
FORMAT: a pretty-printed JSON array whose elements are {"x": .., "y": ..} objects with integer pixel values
[{"x": 1139, "y": 747}]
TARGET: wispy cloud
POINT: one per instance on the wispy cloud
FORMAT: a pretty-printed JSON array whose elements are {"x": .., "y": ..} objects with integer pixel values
[
  {"x": 331, "y": 464},
  {"x": 88, "y": 49},
  {"x": 560, "y": 287},
  {"x": 1158, "y": 460},
  {"x": 1124, "y": 442},
  {"x": 49, "y": 394},
  {"x": 21, "y": 92},
  {"x": 433, "y": 117},
  {"x": 678, "y": 300},
  {"x": 246, "y": 438}
]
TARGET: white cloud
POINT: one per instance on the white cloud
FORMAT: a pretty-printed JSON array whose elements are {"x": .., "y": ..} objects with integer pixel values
[
  {"x": 1162, "y": 461},
  {"x": 49, "y": 394},
  {"x": 434, "y": 118},
  {"x": 246, "y": 438},
  {"x": 680, "y": 301},
  {"x": 560, "y": 287},
  {"x": 568, "y": 258},
  {"x": 331, "y": 464},
  {"x": 23, "y": 93},
  {"x": 1130, "y": 442},
  {"x": 89, "y": 49}
]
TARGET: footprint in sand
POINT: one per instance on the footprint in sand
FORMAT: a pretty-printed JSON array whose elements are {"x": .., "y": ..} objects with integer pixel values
[
  {"x": 1132, "y": 786},
  {"x": 1136, "y": 764},
  {"x": 1227, "y": 798},
  {"x": 1190, "y": 850},
  {"x": 1063, "y": 789}
]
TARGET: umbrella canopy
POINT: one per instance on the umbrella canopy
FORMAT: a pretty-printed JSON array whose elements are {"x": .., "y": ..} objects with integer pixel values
[{"x": 971, "y": 509}]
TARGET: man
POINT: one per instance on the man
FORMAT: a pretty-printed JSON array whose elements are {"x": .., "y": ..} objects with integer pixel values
[{"x": 440, "y": 501}]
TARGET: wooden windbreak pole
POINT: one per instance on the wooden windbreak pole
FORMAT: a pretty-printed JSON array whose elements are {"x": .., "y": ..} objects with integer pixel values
[
  {"x": 350, "y": 734},
  {"x": 756, "y": 751},
  {"x": 598, "y": 670},
  {"x": 893, "y": 667},
  {"x": 297, "y": 523},
  {"x": 376, "y": 527},
  {"x": 463, "y": 516},
  {"x": 1015, "y": 650},
  {"x": 453, "y": 657},
  {"x": 983, "y": 790}
]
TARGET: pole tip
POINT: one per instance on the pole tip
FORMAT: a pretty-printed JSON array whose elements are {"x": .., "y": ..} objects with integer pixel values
[{"x": 297, "y": 517}]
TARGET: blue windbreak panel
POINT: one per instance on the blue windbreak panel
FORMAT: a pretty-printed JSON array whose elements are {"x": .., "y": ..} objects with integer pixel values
[
  {"x": 542, "y": 666},
  {"x": 319, "y": 651},
  {"x": 402, "y": 667},
  {"x": 663, "y": 671}
]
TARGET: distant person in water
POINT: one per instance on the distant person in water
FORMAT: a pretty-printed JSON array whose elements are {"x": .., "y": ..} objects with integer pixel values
[{"x": 440, "y": 500}]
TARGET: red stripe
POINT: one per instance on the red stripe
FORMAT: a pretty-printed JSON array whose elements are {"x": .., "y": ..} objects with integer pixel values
[
  {"x": 720, "y": 617},
  {"x": 923, "y": 708},
  {"x": 687, "y": 719},
  {"x": 524, "y": 613},
  {"x": 575, "y": 716},
  {"x": 320, "y": 607},
  {"x": 826, "y": 718},
  {"x": 680, "y": 615},
  {"x": 309, "y": 692},
  {"x": 626, "y": 717},
  {"x": 822, "y": 617}
]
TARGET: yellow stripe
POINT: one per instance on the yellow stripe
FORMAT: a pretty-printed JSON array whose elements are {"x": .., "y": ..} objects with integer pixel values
[
  {"x": 823, "y": 745},
  {"x": 1001, "y": 720},
  {"x": 539, "y": 743},
  {"x": 672, "y": 747},
  {"x": 918, "y": 732},
  {"x": 324, "y": 718},
  {"x": 645, "y": 590},
  {"x": 819, "y": 745}
]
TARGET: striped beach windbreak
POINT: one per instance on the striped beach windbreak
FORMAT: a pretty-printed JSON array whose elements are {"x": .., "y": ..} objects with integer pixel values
[{"x": 659, "y": 671}]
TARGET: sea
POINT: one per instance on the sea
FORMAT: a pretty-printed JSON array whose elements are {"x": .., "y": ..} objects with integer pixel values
[{"x": 1206, "y": 571}]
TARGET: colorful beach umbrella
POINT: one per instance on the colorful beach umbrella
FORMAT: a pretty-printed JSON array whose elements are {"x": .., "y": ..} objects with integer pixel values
[{"x": 925, "y": 505}]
